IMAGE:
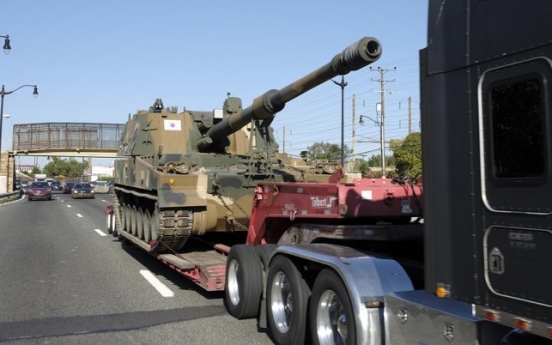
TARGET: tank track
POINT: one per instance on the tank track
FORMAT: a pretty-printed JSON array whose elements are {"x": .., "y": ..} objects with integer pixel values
[
  {"x": 174, "y": 225},
  {"x": 175, "y": 228}
]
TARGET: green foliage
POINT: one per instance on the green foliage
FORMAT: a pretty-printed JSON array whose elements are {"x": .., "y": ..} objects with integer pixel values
[
  {"x": 375, "y": 161},
  {"x": 36, "y": 170},
  {"x": 69, "y": 168},
  {"x": 362, "y": 166},
  {"x": 326, "y": 151},
  {"x": 408, "y": 154},
  {"x": 372, "y": 166}
]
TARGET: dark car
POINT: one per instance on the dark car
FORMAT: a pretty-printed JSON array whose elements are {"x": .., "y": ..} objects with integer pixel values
[
  {"x": 24, "y": 188},
  {"x": 39, "y": 190},
  {"x": 56, "y": 185},
  {"x": 68, "y": 187},
  {"x": 82, "y": 190}
]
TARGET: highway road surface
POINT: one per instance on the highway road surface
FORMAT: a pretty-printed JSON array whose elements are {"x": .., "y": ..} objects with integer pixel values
[{"x": 65, "y": 281}]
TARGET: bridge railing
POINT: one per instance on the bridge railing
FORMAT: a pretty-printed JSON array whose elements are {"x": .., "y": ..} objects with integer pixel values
[{"x": 66, "y": 136}]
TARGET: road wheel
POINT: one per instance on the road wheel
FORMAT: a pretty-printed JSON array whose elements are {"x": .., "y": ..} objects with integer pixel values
[
  {"x": 128, "y": 216},
  {"x": 140, "y": 224},
  {"x": 155, "y": 223},
  {"x": 331, "y": 313},
  {"x": 287, "y": 296},
  {"x": 124, "y": 225},
  {"x": 147, "y": 226},
  {"x": 134, "y": 221},
  {"x": 244, "y": 284}
]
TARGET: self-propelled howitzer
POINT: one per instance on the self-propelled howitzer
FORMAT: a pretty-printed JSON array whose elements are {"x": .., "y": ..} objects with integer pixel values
[{"x": 194, "y": 172}]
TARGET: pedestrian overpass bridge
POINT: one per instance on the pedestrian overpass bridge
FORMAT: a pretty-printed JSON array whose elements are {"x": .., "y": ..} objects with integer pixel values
[
  {"x": 61, "y": 139},
  {"x": 66, "y": 139}
]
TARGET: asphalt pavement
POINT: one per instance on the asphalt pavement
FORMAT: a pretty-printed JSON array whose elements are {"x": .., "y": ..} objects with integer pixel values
[{"x": 64, "y": 280}]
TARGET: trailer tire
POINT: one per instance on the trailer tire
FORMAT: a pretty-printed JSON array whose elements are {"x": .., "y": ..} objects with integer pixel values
[
  {"x": 244, "y": 283},
  {"x": 109, "y": 221},
  {"x": 114, "y": 225},
  {"x": 331, "y": 313},
  {"x": 286, "y": 321}
]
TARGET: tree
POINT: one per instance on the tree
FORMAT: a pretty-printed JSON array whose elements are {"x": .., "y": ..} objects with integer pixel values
[
  {"x": 36, "y": 170},
  {"x": 362, "y": 166},
  {"x": 71, "y": 168},
  {"x": 375, "y": 161},
  {"x": 408, "y": 154},
  {"x": 326, "y": 151}
]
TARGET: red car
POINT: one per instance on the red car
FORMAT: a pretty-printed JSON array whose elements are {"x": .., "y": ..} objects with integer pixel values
[
  {"x": 68, "y": 188},
  {"x": 39, "y": 190}
]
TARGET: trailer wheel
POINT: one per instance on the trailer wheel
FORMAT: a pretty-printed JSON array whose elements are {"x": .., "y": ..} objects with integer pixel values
[
  {"x": 244, "y": 284},
  {"x": 114, "y": 227},
  {"x": 110, "y": 223},
  {"x": 331, "y": 314},
  {"x": 287, "y": 296}
]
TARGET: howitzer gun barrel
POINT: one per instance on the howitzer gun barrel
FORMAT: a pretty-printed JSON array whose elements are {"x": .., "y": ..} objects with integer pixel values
[{"x": 356, "y": 56}]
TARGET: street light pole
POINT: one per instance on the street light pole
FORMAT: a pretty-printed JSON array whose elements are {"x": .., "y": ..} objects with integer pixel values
[
  {"x": 342, "y": 84},
  {"x": 3, "y": 92}
]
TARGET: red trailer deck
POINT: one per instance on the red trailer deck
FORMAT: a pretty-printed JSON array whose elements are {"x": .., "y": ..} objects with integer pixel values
[{"x": 304, "y": 212}]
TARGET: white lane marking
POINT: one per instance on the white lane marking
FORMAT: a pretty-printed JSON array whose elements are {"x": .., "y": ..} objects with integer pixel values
[
  {"x": 68, "y": 205},
  {"x": 103, "y": 200},
  {"x": 162, "y": 288},
  {"x": 79, "y": 215},
  {"x": 101, "y": 233}
]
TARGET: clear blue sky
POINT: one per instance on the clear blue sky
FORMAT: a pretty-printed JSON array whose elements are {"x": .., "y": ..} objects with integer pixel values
[{"x": 98, "y": 61}]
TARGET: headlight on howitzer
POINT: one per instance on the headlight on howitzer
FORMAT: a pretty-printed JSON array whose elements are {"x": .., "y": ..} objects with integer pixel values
[
  {"x": 176, "y": 168},
  {"x": 184, "y": 168}
]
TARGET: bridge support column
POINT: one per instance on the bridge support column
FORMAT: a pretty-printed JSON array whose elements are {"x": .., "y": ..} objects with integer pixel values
[{"x": 7, "y": 172}]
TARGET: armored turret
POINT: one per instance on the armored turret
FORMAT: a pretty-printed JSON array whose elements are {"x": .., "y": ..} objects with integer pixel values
[{"x": 354, "y": 57}]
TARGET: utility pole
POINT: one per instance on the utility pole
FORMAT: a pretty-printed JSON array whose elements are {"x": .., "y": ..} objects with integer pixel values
[
  {"x": 342, "y": 85},
  {"x": 409, "y": 115},
  {"x": 284, "y": 138},
  {"x": 353, "y": 127},
  {"x": 382, "y": 91}
]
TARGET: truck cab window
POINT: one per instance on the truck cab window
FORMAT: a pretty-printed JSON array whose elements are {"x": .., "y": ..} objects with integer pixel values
[{"x": 517, "y": 129}]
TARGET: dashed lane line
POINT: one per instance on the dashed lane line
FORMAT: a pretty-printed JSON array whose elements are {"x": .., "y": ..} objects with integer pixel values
[
  {"x": 79, "y": 215},
  {"x": 160, "y": 287},
  {"x": 68, "y": 205},
  {"x": 101, "y": 233}
]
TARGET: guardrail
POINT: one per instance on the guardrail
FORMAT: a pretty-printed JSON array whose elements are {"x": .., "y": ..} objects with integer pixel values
[{"x": 5, "y": 196}]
